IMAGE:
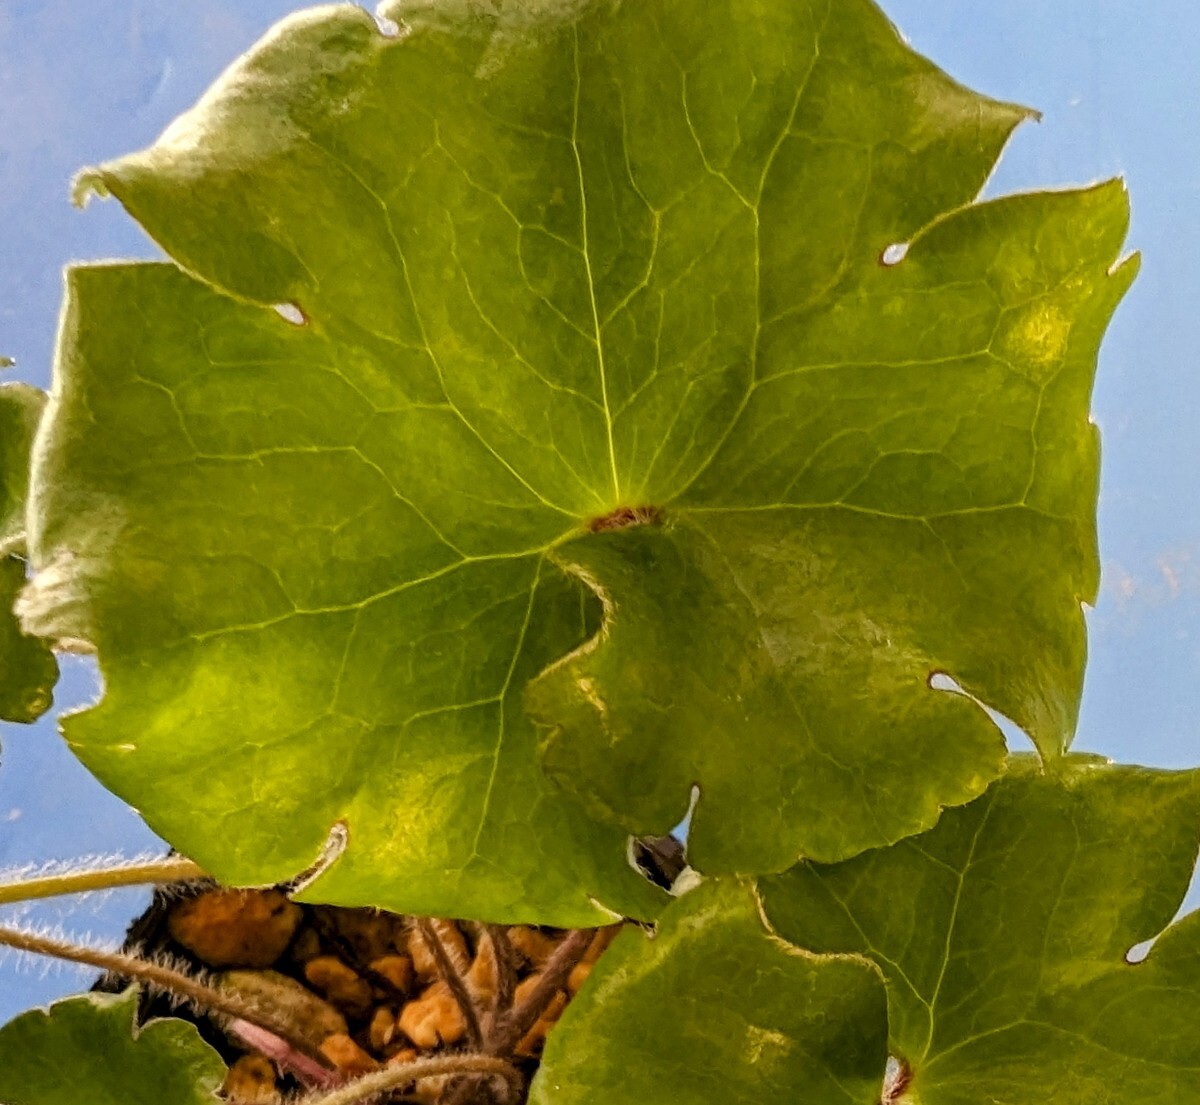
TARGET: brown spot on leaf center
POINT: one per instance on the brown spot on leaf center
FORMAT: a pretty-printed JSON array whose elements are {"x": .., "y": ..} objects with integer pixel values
[{"x": 626, "y": 516}]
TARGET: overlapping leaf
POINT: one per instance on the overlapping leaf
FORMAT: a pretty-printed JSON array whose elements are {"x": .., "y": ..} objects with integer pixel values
[
  {"x": 715, "y": 1009},
  {"x": 28, "y": 670},
  {"x": 1003, "y": 935},
  {"x": 87, "y": 1049},
  {"x": 594, "y": 322}
]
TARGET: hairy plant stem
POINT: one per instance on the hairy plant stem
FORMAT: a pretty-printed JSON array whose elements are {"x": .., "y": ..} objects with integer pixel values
[
  {"x": 511, "y": 1028},
  {"x": 507, "y": 1026},
  {"x": 393, "y": 1077},
  {"x": 506, "y": 970},
  {"x": 172, "y": 869},
  {"x": 466, "y": 1090},
  {"x": 457, "y": 984},
  {"x": 170, "y": 979}
]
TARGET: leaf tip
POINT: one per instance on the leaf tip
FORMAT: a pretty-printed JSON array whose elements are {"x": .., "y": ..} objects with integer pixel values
[
  {"x": 292, "y": 313},
  {"x": 88, "y": 183}
]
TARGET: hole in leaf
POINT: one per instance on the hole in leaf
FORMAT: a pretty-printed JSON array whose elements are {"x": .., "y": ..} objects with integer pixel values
[
  {"x": 660, "y": 858},
  {"x": 1138, "y": 952},
  {"x": 940, "y": 681},
  {"x": 681, "y": 830},
  {"x": 1015, "y": 737},
  {"x": 663, "y": 859},
  {"x": 290, "y": 312},
  {"x": 894, "y": 254}
]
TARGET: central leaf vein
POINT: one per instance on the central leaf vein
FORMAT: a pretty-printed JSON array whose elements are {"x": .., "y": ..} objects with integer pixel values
[
  {"x": 587, "y": 267},
  {"x": 340, "y": 162}
]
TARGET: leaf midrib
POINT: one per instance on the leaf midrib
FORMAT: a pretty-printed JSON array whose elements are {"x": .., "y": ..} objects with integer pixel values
[{"x": 587, "y": 266}]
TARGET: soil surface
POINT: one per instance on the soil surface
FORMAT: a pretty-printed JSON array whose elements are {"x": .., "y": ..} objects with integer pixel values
[{"x": 332, "y": 994}]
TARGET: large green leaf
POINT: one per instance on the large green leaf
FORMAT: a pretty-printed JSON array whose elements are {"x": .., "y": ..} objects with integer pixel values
[
  {"x": 87, "y": 1049},
  {"x": 280, "y": 647},
  {"x": 592, "y": 303},
  {"x": 28, "y": 670},
  {"x": 1003, "y": 934},
  {"x": 714, "y": 1008}
]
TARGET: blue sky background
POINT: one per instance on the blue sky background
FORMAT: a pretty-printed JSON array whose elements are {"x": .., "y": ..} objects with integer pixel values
[{"x": 1118, "y": 85}]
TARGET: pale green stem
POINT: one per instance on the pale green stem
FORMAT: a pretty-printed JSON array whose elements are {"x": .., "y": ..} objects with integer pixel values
[
  {"x": 173, "y": 869},
  {"x": 361, "y": 1089}
]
